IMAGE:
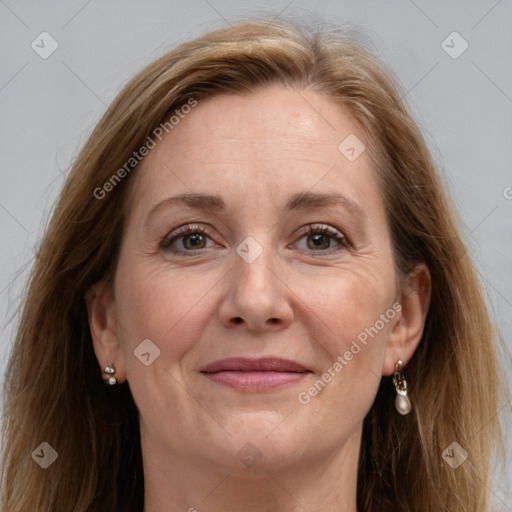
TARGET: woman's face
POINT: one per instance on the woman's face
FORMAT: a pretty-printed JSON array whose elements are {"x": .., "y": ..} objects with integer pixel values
[{"x": 273, "y": 320}]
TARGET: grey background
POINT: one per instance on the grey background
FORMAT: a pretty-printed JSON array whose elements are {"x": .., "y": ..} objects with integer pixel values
[{"x": 464, "y": 106}]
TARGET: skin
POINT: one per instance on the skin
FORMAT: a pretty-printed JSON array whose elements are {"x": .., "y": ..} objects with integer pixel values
[{"x": 293, "y": 301}]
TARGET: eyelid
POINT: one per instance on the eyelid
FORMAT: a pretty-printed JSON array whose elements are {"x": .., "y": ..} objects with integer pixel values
[
  {"x": 338, "y": 236},
  {"x": 187, "y": 229},
  {"x": 334, "y": 233}
]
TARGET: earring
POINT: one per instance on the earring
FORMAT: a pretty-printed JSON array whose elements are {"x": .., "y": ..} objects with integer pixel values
[
  {"x": 402, "y": 402},
  {"x": 110, "y": 371}
]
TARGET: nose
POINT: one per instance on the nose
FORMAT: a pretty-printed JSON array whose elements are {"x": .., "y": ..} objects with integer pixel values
[{"x": 257, "y": 296}]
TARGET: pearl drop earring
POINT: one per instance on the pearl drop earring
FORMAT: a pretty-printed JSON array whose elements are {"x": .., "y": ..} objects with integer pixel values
[{"x": 402, "y": 402}]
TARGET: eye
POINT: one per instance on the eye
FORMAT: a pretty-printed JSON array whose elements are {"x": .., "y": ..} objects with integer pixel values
[
  {"x": 320, "y": 237},
  {"x": 189, "y": 237}
]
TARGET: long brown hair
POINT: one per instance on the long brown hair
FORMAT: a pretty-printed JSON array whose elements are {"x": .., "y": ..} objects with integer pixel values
[{"x": 54, "y": 389}]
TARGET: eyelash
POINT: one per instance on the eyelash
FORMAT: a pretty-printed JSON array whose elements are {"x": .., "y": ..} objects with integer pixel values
[{"x": 311, "y": 229}]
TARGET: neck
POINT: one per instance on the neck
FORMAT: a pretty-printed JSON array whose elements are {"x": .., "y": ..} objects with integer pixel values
[{"x": 327, "y": 482}]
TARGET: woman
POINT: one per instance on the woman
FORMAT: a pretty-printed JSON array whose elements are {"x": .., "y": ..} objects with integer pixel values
[{"x": 253, "y": 295}]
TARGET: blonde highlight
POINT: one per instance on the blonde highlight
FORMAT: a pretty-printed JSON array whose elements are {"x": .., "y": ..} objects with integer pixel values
[{"x": 54, "y": 388}]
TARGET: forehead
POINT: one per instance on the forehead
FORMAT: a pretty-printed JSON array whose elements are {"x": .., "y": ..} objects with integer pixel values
[{"x": 271, "y": 142}]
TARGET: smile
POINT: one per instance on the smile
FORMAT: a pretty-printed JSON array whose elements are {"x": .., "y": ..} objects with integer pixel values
[{"x": 255, "y": 375}]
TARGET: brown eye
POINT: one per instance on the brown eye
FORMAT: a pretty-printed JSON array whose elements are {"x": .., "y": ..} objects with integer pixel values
[
  {"x": 194, "y": 241},
  {"x": 323, "y": 238},
  {"x": 186, "y": 240},
  {"x": 319, "y": 241}
]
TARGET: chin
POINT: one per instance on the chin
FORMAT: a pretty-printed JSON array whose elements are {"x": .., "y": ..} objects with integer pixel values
[{"x": 264, "y": 441}]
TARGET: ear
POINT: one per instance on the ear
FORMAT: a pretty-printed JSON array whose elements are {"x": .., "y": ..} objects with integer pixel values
[
  {"x": 103, "y": 325},
  {"x": 408, "y": 329}
]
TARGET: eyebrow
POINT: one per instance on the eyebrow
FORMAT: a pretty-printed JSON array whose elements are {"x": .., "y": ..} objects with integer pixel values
[{"x": 297, "y": 202}]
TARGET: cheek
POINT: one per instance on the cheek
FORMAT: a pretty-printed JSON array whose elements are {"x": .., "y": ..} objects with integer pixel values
[
  {"x": 167, "y": 308},
  {"x": 348, "y": 306},
  {"x": 170, "y": 309},
  {"x": 352, "y": 324}
]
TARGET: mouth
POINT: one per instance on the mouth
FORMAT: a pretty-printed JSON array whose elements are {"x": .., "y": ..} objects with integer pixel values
[{"x": 245, "y": 374}]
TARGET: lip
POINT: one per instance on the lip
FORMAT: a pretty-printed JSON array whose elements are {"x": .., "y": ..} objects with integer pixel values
[{"x": 245, "y": 374}]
